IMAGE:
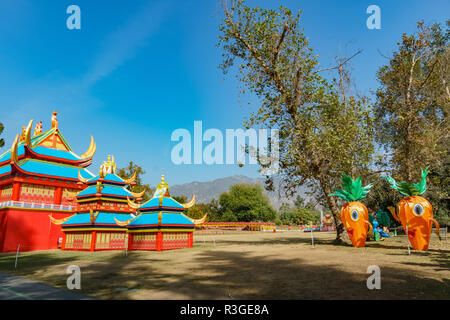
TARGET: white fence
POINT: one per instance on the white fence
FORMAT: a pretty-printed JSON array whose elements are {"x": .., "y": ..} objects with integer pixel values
[{"x": 21, "y": 204}]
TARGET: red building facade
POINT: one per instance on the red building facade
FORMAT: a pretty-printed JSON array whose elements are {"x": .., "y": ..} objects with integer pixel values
[{"x": 37, "y": 176}]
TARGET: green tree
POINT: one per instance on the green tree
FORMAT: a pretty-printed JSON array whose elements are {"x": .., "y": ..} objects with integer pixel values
[
  {"x": 299, "y": 202},
  {"x": 413, "y": 101},
  {"x": 247, "y": 203},
  {"x": 323, "y": 130},
  {"x": 128, "y": 171}
]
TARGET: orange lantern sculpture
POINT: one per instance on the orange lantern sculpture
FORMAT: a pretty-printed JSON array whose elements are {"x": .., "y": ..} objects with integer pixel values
[
  {"x": 414, "y": 212},
  {"x": 354, "y": 214}
]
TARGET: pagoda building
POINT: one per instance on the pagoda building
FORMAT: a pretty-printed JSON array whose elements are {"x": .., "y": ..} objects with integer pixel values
[
  {"x": 38, "y": 175},
  {"x": 103, "y": 202},
  {"x": 160, "y": 223}
]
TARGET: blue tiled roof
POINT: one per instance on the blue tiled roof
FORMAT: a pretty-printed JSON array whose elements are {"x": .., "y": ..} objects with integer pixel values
[
  {"x": 167, "y": 202},
  {"x": 109, "y": 177},
  {"x": 107, "y": 189},
  {"x": 144, "y": 219},
  {"x": 167, "y": 218},
  {"x": 175, "y": 218},
  {"x": 7, "y": 155},
  {"x": 56, "y": 153},
  {"x": 102, "y": 218},
  {"x": 52, "y": 169},
  {"x": 5, "y": 169}
]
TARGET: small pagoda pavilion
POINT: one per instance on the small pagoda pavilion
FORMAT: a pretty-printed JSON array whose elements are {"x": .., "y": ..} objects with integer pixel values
[
  {"x": 103, "y": 202},
  {"x": 37, "y": 175},
  {"x": 160, "y": 223}
]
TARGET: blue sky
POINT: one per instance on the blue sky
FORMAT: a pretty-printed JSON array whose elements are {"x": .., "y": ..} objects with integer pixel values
[{"x": 136, "y": 72}]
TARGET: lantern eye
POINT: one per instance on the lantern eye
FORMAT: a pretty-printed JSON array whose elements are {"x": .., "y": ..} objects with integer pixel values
[
  {"x": 418, "y": 209},
  {"x": 355, "y": 215}
]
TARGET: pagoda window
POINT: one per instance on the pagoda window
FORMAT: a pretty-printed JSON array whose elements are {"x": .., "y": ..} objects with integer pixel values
[{"x": 6, "y": 193}]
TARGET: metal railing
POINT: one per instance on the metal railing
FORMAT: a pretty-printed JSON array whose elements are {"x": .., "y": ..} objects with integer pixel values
[{"x": 21, "y": 204}]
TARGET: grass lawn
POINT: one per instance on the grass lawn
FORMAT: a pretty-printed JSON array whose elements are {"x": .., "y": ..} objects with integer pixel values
[{"x": 249, "y": 265}]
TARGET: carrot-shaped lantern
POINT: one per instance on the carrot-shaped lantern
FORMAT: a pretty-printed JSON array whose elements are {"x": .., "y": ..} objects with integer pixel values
[
  {"x": 414, "y": 212},
  {"x": 354, "y": 214}
]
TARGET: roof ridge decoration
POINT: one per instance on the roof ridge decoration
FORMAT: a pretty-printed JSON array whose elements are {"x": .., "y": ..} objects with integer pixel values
[
  {"x": 37, "y": 129},
  {"x": 60, "y": 221},
  {"x": 90, "y": 151},
  {"x": 93, "y": 216},
  {"x": 54, "y": 120},
  {"x": 197, "y": 221},
  {"x": 27, "y": 138},
  {"x": 132, "y": 204},
  {"x": 14, "y": 146},
  {"x": 108, "y": 167},
  {"x": 131, "y": 179}
]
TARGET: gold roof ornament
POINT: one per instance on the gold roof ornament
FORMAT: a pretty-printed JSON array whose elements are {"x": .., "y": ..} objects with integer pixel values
[
  {"x": 14, "y": 149},
  {"x": 190, "y": 203},
  {"x": 198, "y": 221},
  {"x": 59, "y": 221},
  {"x": 38, "y": 129},
  {"x": 93, "y": 216},
  {"x": 71, "y": 194},
  {"x": 99, "y": 187},
  {"x": 122, "y": 223},
  {"x": 91, "y": 150},
  {"x": 131, "y": 179},
  {"x": 54, "y": 120},
  {"x": 27, "y": 138},
  {"x": 108, "y": 167},
  {"x": 138, "y": 194},
  {"x": 132, "y": 204},
  {"x": 22, "y": 135},
  {"x": 84, "y": 180}
]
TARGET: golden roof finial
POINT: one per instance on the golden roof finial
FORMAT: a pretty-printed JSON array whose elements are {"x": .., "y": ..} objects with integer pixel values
[
  {"x": 54, "y": 120},
  {"x": 38, "y": 129},
  {"x": 23, "y": 134},
  {"x": 162, "y": 179}
]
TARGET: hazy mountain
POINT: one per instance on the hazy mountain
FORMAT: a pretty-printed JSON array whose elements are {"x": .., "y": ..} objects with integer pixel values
[{"x": 206, "y": 191}]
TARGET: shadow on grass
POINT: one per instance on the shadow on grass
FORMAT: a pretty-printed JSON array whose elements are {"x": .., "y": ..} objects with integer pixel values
[{"x": 221, "y": 274}]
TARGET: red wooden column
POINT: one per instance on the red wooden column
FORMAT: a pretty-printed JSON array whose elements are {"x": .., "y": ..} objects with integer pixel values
[
  {"x": 159, "y": 241},
  {"x": 58, "y": 196},
  {"x": 63, "y": 244},
  {"x": 130, "y": 241},
  {"x": 191, "y": 239},
  {"x": 16, "y": 191},
  {"x": 93, "y": 239}
]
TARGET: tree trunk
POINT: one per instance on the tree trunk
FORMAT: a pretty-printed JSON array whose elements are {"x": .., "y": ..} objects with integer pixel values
[{"x": 332, "y": 205}]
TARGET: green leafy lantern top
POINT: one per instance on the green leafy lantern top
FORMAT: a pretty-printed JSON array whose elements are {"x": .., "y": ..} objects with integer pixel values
[
  {"x": 351, "y": 189},
  {"x": 408, "y": 188}
]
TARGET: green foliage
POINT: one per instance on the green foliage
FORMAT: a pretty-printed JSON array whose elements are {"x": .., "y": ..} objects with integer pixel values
[
  {"x": 323, "y": 130},
  {"x": 413, "y": 102},
  {"x": 245, "y": 202},
  {"x": 410, "y": 189},
  {"x": 128, "y": 171},
  {"x": 352, "y": 190},
  {"x": 299, "y": 202},
  {"x": 383, "y": 218}
]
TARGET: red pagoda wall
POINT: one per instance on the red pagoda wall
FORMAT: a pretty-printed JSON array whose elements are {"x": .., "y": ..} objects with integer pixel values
[
  {"x": 31, "y": 229},
  {"x": 160, "y": 240},
  {"x": 95, "y": 240}
]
